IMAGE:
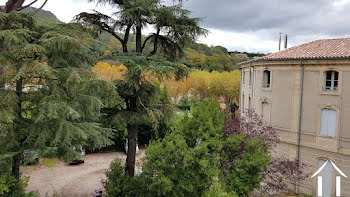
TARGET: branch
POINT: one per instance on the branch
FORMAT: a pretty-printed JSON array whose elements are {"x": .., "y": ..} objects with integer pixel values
[
  {"x": 99, "y": 20},
  {"x": 114, "y": 34},
  {"x": 144, "y": 43},
  {"x": 41, "y": 7},
  {"x": 24, "y": 7}
]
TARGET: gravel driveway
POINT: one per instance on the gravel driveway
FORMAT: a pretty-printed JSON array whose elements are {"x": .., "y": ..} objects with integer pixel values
[{"x": 72, "y": 180}]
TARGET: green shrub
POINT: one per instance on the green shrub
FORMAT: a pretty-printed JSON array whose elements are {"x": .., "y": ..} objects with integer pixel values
[
  {"x": 49, "y": 152},
  {"x": 12, "y": 187},
  {"x": 242, "y": 164},
  {"x": 119, "y": 183}
]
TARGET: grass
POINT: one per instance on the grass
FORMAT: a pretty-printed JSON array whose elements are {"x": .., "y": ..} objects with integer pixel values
[{"x": 49, "y": 163}]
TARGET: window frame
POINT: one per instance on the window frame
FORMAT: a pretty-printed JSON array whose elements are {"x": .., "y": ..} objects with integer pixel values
[
  {"x": 322, "y": 82},
  {"x": 336, "y": 131},
  {"x": 332, "y": 87},
  {"x": 269, "y": 79}
]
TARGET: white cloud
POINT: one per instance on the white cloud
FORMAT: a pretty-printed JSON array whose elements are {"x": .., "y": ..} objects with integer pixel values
[
  {"x": 340, "y": 2},
  {"x": 249, "y": 41}
]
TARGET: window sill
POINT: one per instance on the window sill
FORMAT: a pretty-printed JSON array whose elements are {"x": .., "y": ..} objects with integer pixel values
[
  {"x": 332, "y": 93},
  {"x": 266, "y": 89},
  {"x": 327, "y": 137}
]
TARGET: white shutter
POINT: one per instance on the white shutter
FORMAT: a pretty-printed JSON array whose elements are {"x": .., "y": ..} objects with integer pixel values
[
  {"x": 332, "y": 121},
  {"x": 328, "y": 122}
]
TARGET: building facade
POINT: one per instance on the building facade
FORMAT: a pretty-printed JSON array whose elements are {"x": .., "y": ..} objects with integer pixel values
[{"x": 304, "y": 93}]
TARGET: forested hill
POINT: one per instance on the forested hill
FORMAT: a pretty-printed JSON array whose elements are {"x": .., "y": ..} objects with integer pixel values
[{"x": 43, "y": 16}]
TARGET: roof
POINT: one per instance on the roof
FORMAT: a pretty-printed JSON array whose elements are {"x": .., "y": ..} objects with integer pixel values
[{"x": 320, "y": 49}]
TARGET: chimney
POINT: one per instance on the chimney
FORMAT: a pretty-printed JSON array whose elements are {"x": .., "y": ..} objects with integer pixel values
[
  {"x": 279, "y": 42},
  {"x": 285, "y": 41}
]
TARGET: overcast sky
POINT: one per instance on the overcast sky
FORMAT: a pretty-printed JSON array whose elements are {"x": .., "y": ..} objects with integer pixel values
[{"x": 248, "y": 25}]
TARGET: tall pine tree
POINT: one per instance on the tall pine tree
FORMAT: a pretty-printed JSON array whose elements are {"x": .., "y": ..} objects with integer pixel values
[{"x": 51, "y": 98}]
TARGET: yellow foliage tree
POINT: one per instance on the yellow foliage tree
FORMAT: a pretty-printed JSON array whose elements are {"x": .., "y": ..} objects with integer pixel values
[
  {"x": 206, "y": 84},
  {"x": 109, "y": 72}
]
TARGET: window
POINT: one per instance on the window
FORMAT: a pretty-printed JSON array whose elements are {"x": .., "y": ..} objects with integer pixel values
[
  {"x": 328, "y": 122},
  {"x": 265, "y": 112},
  {"x": 250, "y": 77},
  {"x": 330, "y": 81},
  {"x": 243, "y": 78},
  {"x": 267, "y": 79},
  {"x": 327, "y": 178},
  {"x": 242, "y": 103},
  {"x": 249, "y": 103}
]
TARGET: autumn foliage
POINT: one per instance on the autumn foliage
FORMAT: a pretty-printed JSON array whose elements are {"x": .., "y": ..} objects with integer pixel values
[
  {"x": 204, "y": 84},
  {"x": 109, "y": 72}
]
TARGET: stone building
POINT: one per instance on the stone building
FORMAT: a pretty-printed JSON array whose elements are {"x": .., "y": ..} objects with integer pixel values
[{"x": 304, "y": 93}]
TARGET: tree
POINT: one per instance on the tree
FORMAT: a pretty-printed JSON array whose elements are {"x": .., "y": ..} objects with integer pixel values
[
  {"x": 136, "y": 89},
  {"x": 242, "y": 164},
  {"x": 18, "y": 5},
  {"x": 52, "y": 98},
  {"x": 280, "y": 171}
]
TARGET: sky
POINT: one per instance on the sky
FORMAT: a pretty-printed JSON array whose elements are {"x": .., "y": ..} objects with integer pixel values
[{"x": 247, "y": 25}]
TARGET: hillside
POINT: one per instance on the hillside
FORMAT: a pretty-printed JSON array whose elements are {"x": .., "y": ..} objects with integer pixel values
[{"x": 43, "y": 14}]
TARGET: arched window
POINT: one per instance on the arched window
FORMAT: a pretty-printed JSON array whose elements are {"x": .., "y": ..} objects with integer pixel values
[
  {"x": 328, "y": 122},
  {"x": 330, "y": 80},
  {"x": 327, "y": 178},
  {"x": 265, "y": 112},
  {"x": 267, "y": 79}
]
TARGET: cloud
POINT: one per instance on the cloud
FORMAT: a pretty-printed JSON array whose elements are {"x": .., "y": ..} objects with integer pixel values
[
  {"x": 259, "y": 22},
  {"x": 251, "y": 25}
]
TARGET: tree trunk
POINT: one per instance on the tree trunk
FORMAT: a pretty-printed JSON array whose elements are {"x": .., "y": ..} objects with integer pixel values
[
  {"x": 155, "y": 44},
  {"x": 126, "y": 39},
  {"x": 125, "y": 48},
  {"x": 138, "y": 38},
  {"x": 2, "y": 85},
  {"x": 132, "y": 128},
  {"x": 16, "y": 159},
  {"x": 132, "y": 143},
  {"x": 16, "y": 163}
]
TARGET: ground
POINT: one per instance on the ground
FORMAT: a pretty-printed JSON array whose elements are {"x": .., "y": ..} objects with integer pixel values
[
  {"x": 72, "y": 180},
  {"x": 77, "y": 180}
]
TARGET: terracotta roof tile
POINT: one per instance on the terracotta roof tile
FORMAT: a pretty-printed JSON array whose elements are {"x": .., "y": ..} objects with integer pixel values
[{"x": 320, "y": 49}]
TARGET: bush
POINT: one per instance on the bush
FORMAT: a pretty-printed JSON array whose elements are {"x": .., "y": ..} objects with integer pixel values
[
  {"x": 12, "y": 187},
  {"x": 119, "y": 183},
  {"x": 49, "y": 152},
  {"x": 242, "y": 164}
]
